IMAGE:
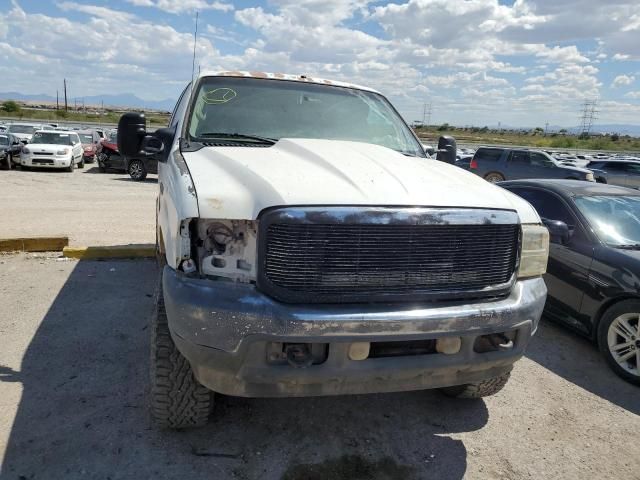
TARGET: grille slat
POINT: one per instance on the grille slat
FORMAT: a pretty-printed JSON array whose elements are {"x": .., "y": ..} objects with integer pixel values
[{"x": 346, "y": 262}]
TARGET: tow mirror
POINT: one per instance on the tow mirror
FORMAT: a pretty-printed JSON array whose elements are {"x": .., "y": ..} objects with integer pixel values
[
  {"x": 447, "y": 150},
  {"x": 558, "y": 231},
  {"x": 132, "y": 129}
]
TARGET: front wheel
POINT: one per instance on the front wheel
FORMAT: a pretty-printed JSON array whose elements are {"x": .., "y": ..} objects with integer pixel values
[
  {"x": 494, "y": 177},
  {"x": 8, "y": 161},
  {"x": 137, "y": 170},
  {"x": 481, "y": 389},
  {"x": 178, "y": 400},
  {"x": 71, "y": 166},
  {"x": 619, "y": 339},
  {"x": 81, "y": 164}
]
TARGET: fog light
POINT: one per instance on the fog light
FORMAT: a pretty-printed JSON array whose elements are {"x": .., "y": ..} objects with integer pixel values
[
  {"x": 448, "y": 345},
  {"x": 359, "y": 350}
]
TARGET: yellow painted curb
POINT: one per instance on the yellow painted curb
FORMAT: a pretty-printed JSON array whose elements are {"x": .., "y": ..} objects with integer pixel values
[
  {"x": 33, "y": 244},
  {"x": 110, "y": 251}
]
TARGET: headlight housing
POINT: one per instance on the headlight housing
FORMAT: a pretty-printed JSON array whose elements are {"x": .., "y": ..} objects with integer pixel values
[
  {"x": 25, "y": 150},
  {"x": 534, "y": 252},
  {"x": 227, "y": 248},
  {"x": 64, "y": 151}
]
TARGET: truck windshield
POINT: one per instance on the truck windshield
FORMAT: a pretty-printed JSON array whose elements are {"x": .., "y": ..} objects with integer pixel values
[
  {"x": 615, "y": 219},
  {"x": 274, "y": 109}
]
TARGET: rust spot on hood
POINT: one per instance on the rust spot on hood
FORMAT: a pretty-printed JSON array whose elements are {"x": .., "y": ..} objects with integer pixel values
[{"x": 215, "y": 203}]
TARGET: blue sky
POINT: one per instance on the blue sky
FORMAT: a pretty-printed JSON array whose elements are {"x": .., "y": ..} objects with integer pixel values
[{"x": 477, "y": 62}]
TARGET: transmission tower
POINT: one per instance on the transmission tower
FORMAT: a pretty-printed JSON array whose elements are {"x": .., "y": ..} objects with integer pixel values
[
  {"x": 426, "y": 114},
  {"x": 587, "y": 116}
]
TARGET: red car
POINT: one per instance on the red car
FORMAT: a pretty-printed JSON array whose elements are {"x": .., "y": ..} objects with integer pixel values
[
  {"x": 108, "y": 156},
  {"x": 89, "y": 139}
]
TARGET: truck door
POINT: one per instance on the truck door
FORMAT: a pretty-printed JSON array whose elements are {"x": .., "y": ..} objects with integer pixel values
[
  {"x": 519, "y": 165},
  {"x": 616, "y": 173},
  {"x": 633, "y": 175}
]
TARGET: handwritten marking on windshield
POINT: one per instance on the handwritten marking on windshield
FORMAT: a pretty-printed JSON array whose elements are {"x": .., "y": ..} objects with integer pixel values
[{"x": 219, "y": 96}]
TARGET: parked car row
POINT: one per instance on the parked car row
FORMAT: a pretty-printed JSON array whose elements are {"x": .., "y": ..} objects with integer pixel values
[{"x": 32, "y": 145}]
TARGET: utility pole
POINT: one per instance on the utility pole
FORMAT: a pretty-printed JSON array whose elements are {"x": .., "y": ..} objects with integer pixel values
[
  {"x": 65, "y": 95},
  {"x": 546, "y": 126},
  {"x": 57, "y": 102}
]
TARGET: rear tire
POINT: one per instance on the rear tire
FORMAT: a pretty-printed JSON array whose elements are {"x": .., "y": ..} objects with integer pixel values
[
  {"x": 619, "y": 337},
  {"x": 494, "y": 177},
  {"x": 137, "y": 171},
  {"x": 177, "y": 399},
  {"x": 481, "y": 389}
]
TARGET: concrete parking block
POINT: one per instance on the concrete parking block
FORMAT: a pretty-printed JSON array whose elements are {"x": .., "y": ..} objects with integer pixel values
[
  {"x": 33, "y": 244},
  {"x": 110, "y": 251}
]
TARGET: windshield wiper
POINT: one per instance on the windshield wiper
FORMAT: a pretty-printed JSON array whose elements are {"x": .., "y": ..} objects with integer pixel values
[{"x": 239, "y": 137}]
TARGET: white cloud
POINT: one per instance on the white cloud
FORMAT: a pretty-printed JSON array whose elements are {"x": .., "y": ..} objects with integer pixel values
[
  {"x": 562, "y": 55},
  {"x": 634, "y": 95},
  {"x": 181, "y": 6},
  {"x": 621, "y": 57},
  {"x": 623, "y": 80}
]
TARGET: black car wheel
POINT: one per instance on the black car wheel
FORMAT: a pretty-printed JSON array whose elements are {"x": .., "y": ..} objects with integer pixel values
[
  {"x": 101, "y": 166},
  {"x": 178, "y": 400},
  {"x": 72, "y": 166},
  {"x": 619, "y": 339},
  {"x": 137, "y": 170},
  {"x": 81, "y": 164},
  {"x": 7, "y": 161},
  {"x": 494, "y": 177}
]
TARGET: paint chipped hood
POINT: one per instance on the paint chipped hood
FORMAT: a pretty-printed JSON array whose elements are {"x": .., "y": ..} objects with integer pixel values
[{"x": 240, "y": 182}]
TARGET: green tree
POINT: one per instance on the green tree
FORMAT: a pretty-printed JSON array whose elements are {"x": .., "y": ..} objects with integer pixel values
[
  {"x": 443, "y": 127},
  {"x": 10, "y": 106}
]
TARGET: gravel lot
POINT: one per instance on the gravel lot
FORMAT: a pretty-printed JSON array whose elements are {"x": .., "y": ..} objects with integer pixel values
[
  {"x": 92, "y": 208},
  {"x": 73, "y": 391}
]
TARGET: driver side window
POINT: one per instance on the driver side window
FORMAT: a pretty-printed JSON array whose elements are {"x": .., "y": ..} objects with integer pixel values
[
  {"x": 520, "y": 158},
  {"x": 551, "y": 207},
  {"x": 539, "y": 160}
]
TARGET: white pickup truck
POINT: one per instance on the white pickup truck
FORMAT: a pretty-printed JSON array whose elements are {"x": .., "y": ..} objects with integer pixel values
[{"x": 310, "y": 247}]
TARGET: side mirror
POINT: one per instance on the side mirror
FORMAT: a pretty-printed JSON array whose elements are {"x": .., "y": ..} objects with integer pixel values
[
  {"x": 132, "y": 129},
  {"x": 558, "y": 231},
  {"x": 447, "y": 150}
]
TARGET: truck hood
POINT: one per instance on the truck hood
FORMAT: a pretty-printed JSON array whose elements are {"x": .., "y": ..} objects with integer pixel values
[
  {"x": 239, "y": 182},
  {"x": 574, "y": 168}
]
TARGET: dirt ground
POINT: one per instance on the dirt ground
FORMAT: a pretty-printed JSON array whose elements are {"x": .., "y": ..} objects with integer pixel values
[
  {"x": 73, "y": 402},
  {"x": 91, "y": 208}
]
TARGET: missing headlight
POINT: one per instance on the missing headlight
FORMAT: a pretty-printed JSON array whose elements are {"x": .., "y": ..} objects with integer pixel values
[{"x": 227, "y": 248}]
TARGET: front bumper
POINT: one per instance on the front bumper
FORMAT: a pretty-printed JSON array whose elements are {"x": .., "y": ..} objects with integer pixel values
[
  {"x": 49, "y": 161},
  {"x": 224, "y": 329}
]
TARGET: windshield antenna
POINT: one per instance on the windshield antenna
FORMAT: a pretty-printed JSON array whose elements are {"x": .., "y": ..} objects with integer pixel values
[
  {"x": 193, "y": 61},
  {"x": 195, "y": 43}
]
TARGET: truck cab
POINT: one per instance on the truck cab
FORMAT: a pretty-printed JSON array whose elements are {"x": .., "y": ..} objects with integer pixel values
[{"x": 310, "y": 247}]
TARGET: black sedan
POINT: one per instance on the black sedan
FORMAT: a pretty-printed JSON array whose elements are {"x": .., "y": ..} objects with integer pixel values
[{"x": 593, "y": 275}]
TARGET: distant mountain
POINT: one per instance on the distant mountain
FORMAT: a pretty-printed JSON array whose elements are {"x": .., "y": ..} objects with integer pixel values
[{"x": 110, "y": 100}]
